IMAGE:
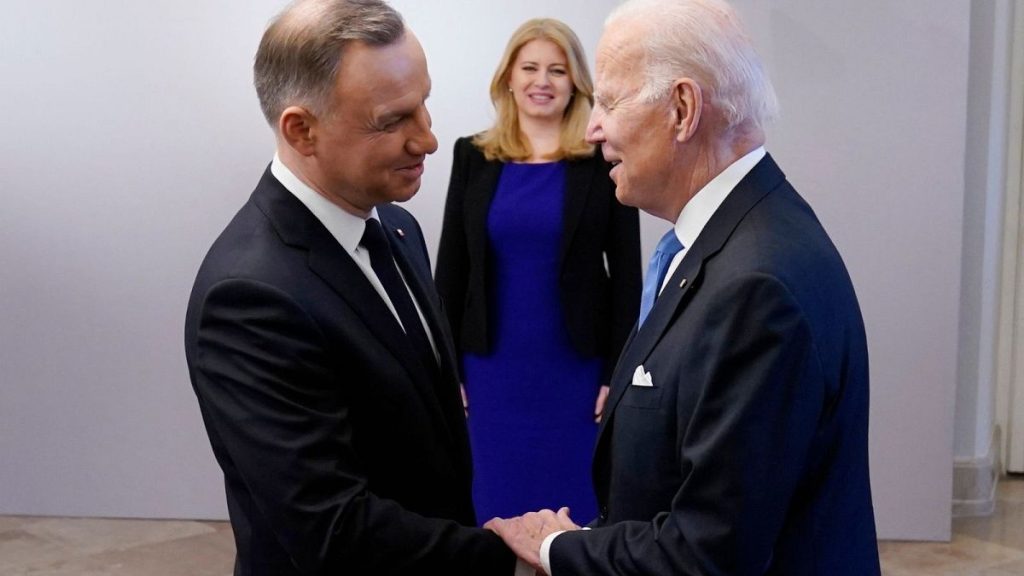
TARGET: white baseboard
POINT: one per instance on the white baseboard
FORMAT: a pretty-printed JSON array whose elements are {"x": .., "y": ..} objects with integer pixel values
[{"x": 974, "y": 483}]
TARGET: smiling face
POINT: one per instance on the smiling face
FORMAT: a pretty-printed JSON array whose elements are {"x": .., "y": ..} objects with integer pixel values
[
  {"x": 370, "y": 147},
  {"x": 637, "y": 137},
  {"x": 540, "y": 82}
]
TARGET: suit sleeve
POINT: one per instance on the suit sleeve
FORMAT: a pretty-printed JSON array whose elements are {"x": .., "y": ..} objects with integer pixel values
[
  {"x": 451, "y": 276},
  {"x": 266, "y": 389},
  {"x": 741, "y": 451},
  {"x": 622, "y": 248}
]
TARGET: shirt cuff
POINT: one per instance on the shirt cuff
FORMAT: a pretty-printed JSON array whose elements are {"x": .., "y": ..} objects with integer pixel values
[{"x": 545, "y": 551}]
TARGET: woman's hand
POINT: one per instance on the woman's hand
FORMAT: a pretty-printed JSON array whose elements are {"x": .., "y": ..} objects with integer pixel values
[{"x": 602, "y": 396}]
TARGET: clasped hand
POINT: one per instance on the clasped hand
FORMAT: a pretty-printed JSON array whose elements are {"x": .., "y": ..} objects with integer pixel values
[{"x": 525, "y": 534}]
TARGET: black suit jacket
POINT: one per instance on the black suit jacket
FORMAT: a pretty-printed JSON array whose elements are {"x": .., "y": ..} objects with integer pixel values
[
  {"x": 341, "y": 453},
  {"x": 749, "y": 454},
  {"x": 600, "y": 301}
]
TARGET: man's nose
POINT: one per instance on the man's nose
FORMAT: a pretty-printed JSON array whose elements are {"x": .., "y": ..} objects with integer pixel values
[
  {"x": 423, "y": 141},
  {"x": 595, "y": 132}
]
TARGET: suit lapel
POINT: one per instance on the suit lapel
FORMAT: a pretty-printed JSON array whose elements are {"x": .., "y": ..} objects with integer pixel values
[
  {"x": 480, "y": 192},
  {"x": 642, "y": 341},
  {"x": 338, "y": 270},
  {"x": 444, "y": 395},
  {"x": 298, "y": 227},
  {"x": 578, "y": 179},
  {"x": 686, "y": 279}
]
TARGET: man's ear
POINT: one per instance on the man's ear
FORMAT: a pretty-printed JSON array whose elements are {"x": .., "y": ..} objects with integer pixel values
[
  {"x": 687, "y": 100},
  {"x": 298, "y": 128}
]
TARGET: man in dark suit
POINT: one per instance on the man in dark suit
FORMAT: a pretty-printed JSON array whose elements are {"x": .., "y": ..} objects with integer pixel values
[
  {"x": 321, "y": 360},
  {"x": 735, "y": 437}
]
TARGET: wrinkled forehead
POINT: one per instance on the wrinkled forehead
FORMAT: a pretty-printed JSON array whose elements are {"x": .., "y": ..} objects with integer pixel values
[{"x": 620, "y": 56}]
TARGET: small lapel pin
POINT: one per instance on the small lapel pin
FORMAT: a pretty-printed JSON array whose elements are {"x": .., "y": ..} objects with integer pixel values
[
  {"x": 683, "y": 283},
  {"x": 400, "y": 232}
]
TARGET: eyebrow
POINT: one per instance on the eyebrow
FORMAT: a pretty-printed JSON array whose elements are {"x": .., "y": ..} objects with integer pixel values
[
  {"x": 538, "y": 64},
  {"x": 400, "y": 112}
]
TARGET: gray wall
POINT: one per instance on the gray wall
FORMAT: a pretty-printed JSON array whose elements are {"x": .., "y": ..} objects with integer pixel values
[{"x": 131, "y": 135}]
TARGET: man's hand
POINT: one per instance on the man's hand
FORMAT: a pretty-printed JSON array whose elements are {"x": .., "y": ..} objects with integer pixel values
[{"x": 525, "y": 534}]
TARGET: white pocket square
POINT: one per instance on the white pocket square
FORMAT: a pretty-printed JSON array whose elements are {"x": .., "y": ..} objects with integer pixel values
[{"x": 641, "y": 378}]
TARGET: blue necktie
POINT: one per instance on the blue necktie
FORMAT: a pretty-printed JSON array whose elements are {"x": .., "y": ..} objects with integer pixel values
[{"x": 668, "y": 247}]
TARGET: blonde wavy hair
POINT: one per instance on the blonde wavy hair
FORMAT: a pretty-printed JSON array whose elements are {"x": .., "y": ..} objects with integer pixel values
[{"x": 504, "y": 141}]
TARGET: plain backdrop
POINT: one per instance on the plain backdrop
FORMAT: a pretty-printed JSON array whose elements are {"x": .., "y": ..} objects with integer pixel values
[{"x": 131, "y": 134}]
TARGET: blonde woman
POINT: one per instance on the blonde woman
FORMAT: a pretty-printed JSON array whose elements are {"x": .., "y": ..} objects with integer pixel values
[{"x": 539, "y": 269}]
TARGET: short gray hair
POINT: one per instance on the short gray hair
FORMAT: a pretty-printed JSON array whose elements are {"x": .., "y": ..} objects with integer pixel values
[
  {"x": 300, "y": 53},
  {"x": 703, "y": 40}
]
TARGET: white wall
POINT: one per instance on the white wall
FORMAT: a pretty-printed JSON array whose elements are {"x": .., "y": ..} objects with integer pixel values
[
  {"x": 1010, "y": 347},
  {"x": 874, "y": 99},
  {"x": 131, "y": 134},
  {"x": 985, "y": 180}
]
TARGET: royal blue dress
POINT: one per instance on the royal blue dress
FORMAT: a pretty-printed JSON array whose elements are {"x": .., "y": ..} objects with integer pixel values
[{"x": 531, "y": 398}]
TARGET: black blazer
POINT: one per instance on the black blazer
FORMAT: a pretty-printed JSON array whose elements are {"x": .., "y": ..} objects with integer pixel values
[
  {"x": 600, "y": 304},
  {"x": 749, "y": 454},
  {"x": 341, "y": 455}
]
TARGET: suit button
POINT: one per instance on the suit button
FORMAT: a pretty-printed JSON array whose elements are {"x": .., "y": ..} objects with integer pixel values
[{"x": 603, "y": 516}]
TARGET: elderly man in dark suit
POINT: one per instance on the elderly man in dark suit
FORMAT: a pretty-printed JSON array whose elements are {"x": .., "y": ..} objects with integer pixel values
[
  {"x": 735, "y": 440},
  {"x": 322, "y": 363}
]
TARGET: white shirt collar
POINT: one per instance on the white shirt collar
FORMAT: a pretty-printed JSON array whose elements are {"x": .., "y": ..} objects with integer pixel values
[
  {"x": 705, "y": 202},
  {"x": 347, "y": 228},
  {"x": 702, "y": 206}
]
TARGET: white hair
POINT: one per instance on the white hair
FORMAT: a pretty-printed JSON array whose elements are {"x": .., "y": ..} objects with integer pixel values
[{"x": 703, "y": 40}]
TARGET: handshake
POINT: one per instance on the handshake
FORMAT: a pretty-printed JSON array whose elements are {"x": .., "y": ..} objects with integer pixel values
[{"x": 525, "y": 534}]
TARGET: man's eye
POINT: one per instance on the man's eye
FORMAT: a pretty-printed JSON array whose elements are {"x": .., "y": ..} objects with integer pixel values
[{"x": 390, "y": 125}]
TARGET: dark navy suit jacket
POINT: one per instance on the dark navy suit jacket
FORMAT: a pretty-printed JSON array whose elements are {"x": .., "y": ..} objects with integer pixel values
[
  {"x": 749, "y": 454},
  {"x": 341, "y": 453}
]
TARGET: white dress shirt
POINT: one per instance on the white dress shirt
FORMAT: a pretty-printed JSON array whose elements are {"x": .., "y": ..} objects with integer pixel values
[
  {"x": 705, "y": 203},
  {"x": 347, "y": 229}
]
